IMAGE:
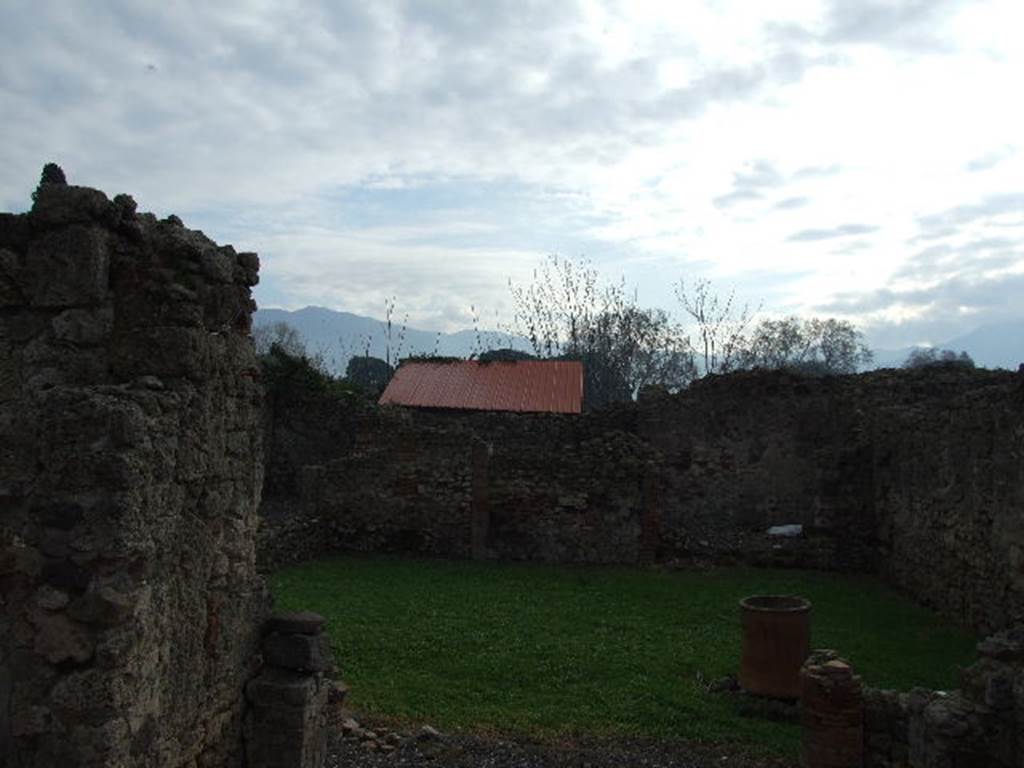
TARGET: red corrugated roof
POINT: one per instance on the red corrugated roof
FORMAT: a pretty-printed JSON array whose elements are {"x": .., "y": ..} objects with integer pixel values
[{"x": 537, "y": 386}]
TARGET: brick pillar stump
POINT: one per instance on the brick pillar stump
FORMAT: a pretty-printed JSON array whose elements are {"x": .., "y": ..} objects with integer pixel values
[
  {"x": 286, "y": 722},
  {"x": 831, "y": 713}
]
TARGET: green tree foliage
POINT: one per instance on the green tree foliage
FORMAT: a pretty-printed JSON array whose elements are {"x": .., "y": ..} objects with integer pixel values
[
  {"x": 931, "y": 357},
  {"x": 811, "y": 345},
  {"x": 297, "y": 376},
  {"x": 289, "y": 370},
  {"x": 52, "y": 174},
  {"x": 371, "y": 374},
  {"x": 504, "y": 355},
  {"x": 566, "y": 313}
]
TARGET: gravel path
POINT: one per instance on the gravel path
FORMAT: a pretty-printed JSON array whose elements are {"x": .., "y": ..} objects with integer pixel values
[{"x": 365, "y": 746}]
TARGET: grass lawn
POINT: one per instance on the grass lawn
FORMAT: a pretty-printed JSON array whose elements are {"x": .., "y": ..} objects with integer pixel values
[{"x": 599, "y": 651}]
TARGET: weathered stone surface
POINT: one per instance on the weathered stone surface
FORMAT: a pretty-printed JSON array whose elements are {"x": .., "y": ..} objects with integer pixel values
[
  {"x": 911, "y": 474},
  {"x": 58, "y": 639},
  {"x": 10, "y": 290},
  {"x": 80, "y": 255},
  {"x": 285, "y": 726},
  {"x": 82, "y": 326},
  {"x": 61, "y": 205},
  {"x": 1005, "y": 646},
  {"x": 50, "y": 598},
  {"x": 281, "y": 687},
  {"x": 310, "y": 653},
  {"x": 131, "y": 607},
  {"x": 831, "y": 713},
  {"x": 978, "y": 725},
  {"x": 104, "y": 607},
  {"x": 297, "y": 623}
]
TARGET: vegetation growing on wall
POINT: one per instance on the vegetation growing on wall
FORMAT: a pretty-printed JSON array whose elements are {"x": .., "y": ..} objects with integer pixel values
[{"x": 299, "y": 376}]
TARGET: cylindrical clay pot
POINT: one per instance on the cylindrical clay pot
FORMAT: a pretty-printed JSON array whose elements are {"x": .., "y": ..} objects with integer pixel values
[{"x": 776, "y": 641}]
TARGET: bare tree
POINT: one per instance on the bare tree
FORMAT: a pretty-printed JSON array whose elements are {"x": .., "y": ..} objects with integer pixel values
[
  {"x": 567, "y": 313},
  {"x": 720, "y": 324},
  {"x": 390, "y": 337}
]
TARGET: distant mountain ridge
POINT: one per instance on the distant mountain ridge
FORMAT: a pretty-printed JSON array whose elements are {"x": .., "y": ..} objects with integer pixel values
[
  {"x": 990, "y": 346},
  {"x": 338, "y": 336}
]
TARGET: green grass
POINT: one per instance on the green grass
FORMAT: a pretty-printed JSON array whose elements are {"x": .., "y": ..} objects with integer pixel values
[{"x": 596, "y": 651}]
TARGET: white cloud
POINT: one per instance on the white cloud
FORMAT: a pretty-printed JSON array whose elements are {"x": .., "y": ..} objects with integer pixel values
[{"x": 671, "y": 136}]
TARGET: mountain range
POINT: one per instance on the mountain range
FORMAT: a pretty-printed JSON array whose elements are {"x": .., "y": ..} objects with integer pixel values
[
  {"x": 338, "y": 336},
  {"x": 990, "y": 346}
]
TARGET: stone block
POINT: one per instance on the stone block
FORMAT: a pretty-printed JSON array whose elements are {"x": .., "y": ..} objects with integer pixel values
[
  {"x": 14, "y": 231},
  {"x": 80, "y": 255},
  {"x": 248, "y": 272},
  {"x": 1004, "y": 646},
  {"x": 64, "y": 574},
  {"x": 31, "y": 721},
  {"x": 10, "y": 289},
  {"x": 58, "y": 639},
  {"x": 164, "y": 352},
  {"x": 51, "y": 599},
  {"x": 310, "y": 653},
  {"x": 105, "y": 607},
  {"x": 218, "y": 264},
  {"x": 281, "y": 687},
  {"x": 58, "y": 205},
  {"x": 21, "y": 560},
  {"x": 285, "y": 726},
  {"x": 296, "y": 623},
  {"x": 83, "y": 326},
  {"x": 93, "y": 696}
]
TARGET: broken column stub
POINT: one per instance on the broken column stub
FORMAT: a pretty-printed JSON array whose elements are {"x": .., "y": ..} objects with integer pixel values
[
  {"x": 286, "y": 723},
  {"x": 831, "y": 713},
  {"x": 303, "y": 653}
]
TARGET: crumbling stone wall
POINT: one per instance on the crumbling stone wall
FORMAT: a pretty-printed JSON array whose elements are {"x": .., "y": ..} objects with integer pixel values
[
  {"x": 556, "y": 489},
  {"x": 131, "y": 464},
  {"x": 914, "y": 474},
  {"x": 304, "y": 427},
  {"x": 752, "y": 450},
  {"x": 948, "y": 464},
  {"x": 979, "y": 725}
]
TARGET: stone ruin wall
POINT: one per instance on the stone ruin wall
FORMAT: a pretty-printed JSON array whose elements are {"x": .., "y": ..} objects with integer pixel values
[
  {"x": 746, "y": 452},
  {"x": 913, "y": 474},
  {"x": 978, "y": 725},
  {"x": 473, "y": 485},
  {"x": 918, "y": 475},
  {"x": 949, "y": 484},
  {"x": 131, "y": 456}
]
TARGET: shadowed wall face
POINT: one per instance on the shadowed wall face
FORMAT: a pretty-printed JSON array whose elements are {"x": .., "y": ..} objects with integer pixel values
[
  {"x": 916, "y": 475},
  {"x": 131, "y": 455}
]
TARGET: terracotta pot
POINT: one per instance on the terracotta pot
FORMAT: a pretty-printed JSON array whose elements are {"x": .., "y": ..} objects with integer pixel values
[{"x": 776, "y": 641}]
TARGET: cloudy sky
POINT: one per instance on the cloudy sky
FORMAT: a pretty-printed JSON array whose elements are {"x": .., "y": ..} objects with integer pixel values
[{"x": 852, "y": 158}]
